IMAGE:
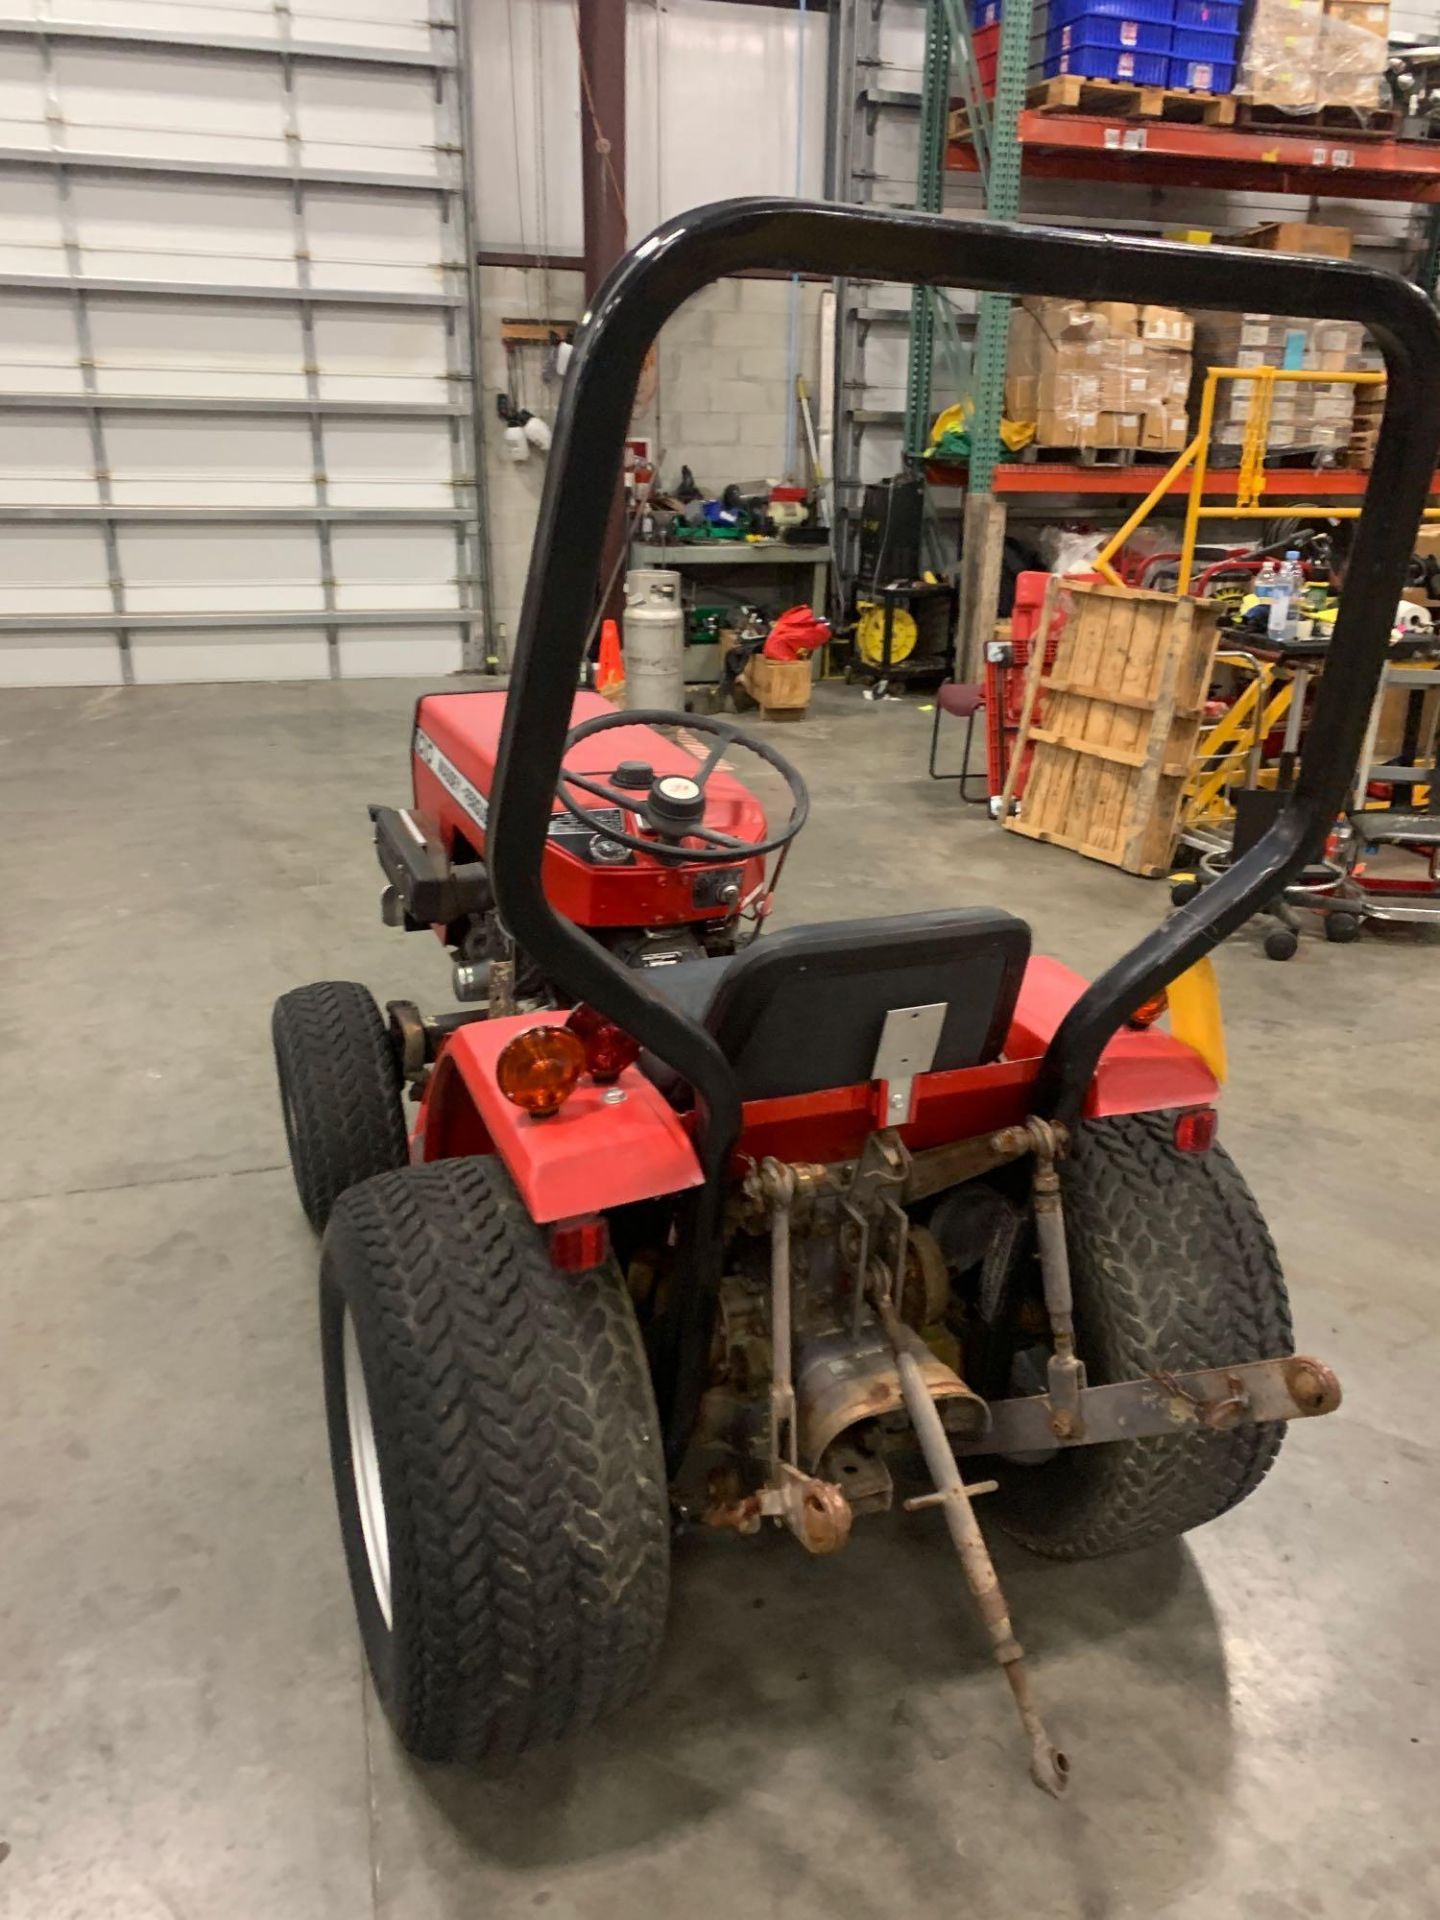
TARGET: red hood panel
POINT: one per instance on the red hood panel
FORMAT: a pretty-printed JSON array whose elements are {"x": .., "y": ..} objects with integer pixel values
[{"x": 465, "y": 728}]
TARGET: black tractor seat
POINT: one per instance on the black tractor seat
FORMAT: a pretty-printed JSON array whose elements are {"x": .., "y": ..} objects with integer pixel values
[{"x": 802, "y": 1010}]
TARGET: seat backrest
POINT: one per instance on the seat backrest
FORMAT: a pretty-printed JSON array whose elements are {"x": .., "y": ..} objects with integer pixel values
[{"x": 803, "y": 1009}]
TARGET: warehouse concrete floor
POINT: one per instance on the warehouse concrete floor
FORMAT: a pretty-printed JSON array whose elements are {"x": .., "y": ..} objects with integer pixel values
[{"x": 188, "y": 1734}]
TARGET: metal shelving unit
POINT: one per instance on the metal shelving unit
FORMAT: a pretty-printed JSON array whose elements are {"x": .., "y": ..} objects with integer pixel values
[{"x": 67, "y": 158}]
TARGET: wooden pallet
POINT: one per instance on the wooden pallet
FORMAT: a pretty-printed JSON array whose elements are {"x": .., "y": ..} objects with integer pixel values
[
  {"x": 1123, "y": 705},
  {"x": 1369, "y": 123},
  {"x": 1079, "y": 456},
  {"x": 1117, "y": 100}
]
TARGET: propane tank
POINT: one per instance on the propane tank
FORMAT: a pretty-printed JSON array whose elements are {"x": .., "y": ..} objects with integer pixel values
[{"x": 654, "y": 639}]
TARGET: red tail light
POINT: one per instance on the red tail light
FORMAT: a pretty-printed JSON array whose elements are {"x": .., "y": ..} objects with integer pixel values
[
  {"x": 1195, "y": 1129},
  {"x": 608, "y": 1048}
]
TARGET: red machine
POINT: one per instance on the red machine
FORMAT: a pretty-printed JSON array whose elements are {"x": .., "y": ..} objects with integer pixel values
[
  {"x": 695, "y": 1227},
  {"x": 621, "y": 779}
]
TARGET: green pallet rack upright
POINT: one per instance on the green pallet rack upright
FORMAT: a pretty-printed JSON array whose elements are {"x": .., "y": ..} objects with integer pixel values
[{"x": 995, "y": 132}]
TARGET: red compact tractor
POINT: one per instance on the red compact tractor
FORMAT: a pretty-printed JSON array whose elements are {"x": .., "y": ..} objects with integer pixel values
[{"x": 695, "y": 1225}]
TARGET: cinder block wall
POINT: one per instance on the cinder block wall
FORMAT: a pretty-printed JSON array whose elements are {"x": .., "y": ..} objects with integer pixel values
[{"x": 715, "y": 400}]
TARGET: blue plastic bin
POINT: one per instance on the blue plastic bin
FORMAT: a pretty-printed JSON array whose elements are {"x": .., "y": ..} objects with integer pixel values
[
  {"x": 1203, "y": 76},
  {"x": 1109, "y": 63},
  {"x": 987, "y": 13},
  {"x": 1064, "y": 11},
  {"x": 1136, "y": 36},
  {"x": 1190, "y": 44},
  {"x": 1215, "y": 16}
]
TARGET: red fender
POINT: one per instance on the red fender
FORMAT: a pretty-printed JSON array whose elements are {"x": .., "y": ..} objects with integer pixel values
[
  {"x": 599, "y": 1151},
  {"x": 1139, "y": 1071}
]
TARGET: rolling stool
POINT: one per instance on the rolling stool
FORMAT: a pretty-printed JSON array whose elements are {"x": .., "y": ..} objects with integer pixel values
[{"x": 964, "y": 699}]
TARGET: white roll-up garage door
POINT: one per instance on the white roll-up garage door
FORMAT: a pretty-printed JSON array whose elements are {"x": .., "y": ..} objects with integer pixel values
[{"x": 238, "y": 429}]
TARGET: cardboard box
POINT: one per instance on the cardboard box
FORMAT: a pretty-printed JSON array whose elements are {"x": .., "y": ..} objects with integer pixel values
[
  {"x": 780, "y": 686},
  {"x": 1118, "y": 318},
  {"x": 1163, "y": 430},
  {"x": 1371, "y": 16},
  {"x": 1300, "y": 236},
  {"x": 1166, "y": 327}
]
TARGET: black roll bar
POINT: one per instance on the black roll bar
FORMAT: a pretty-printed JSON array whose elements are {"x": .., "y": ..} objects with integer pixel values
[{"x": 797, "y": 236}]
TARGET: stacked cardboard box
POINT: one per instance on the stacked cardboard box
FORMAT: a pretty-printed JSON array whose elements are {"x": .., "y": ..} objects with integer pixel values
[
  {"x": 1304, "y": 414},
  {"x": 1365, "y": 427},
  {"x": 1301, "y": 55},
  {"x": 1282, "y": 64},
  {"x": 1100, "y": 374},
  {"x": 1354, "y": 48}
]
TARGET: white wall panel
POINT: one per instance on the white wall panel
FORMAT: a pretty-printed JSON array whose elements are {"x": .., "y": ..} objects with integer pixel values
[
  {"x": 180, "y": 397},
  {"x": 711, "y": 110}
]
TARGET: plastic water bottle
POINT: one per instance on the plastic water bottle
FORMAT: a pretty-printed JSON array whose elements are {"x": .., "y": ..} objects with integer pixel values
[
  {"x": 1264, "y": 587},
  {"x": 1292, "y": 584}
]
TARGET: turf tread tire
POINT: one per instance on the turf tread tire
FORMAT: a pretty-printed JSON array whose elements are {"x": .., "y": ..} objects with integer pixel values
[
  {"x": 1172, "y": 1267},
  {"x": 520, "y": 1456},
  {"x": 340, "y": 1091}
]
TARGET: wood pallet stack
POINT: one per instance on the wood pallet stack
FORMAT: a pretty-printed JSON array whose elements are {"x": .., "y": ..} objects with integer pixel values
[
  {"x": 1123, "y": 704},
  {"x": 1365, "y": 427}
]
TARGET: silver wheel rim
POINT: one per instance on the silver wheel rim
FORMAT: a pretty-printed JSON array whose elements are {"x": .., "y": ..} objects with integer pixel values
[{"x": 365, "y": 1468}]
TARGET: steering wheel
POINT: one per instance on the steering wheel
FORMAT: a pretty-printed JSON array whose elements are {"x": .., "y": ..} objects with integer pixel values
[{"x": 673, "y": 804}]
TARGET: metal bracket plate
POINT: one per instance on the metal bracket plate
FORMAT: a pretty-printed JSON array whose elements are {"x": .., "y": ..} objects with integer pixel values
[{"x": 908, "y": 1041}]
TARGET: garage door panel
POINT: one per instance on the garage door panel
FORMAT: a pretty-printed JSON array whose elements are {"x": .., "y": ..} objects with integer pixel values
[
  {"x": 39, "y": 349},
  {"x": 234, "y": 569},
  {"x": 174, "y": 347},
  {"x": 22, "y": 97},
  {"x": 179, "y": 106},
  {"x": 396, "y": 243},
  {"x": 46, "y": 456},
  {"x": 363, "y": 119},
  {"x": 53, "y": 569},
  {"x": 30, "y": 232},
  {"x": 376, "y": 653},
  {"x": 177, "y": 657},
  {"x": 412, "y": 567},
  {"x": 386, "y": 354},
  {"x": 404, "y": 463},
  {"x": 229, "y": 460},
  {"x": 185, "y": 230},
  {"x": 243, "y": 485},
  {"x": 60, "y": 660}
]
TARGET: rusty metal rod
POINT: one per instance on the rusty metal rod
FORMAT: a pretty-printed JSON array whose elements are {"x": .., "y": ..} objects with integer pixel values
[
  {"x": 1049, "y": 1767},
  {"x": 779, "y": 1183}
]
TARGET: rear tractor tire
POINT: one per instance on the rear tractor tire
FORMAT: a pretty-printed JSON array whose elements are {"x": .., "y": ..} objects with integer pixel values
[
  {"x": 497, "y": 1462},
  {"x": 340, "y": 1090},
  {"x": 1172, "y": 1268}
]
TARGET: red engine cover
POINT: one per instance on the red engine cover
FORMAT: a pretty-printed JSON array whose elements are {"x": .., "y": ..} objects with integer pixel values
[{"x": 456, "y": 746}]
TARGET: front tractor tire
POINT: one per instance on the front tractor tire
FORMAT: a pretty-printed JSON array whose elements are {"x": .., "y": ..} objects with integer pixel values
[
  {"x": 340, "y": 1091},
  {"x": 1172, "y": 1267},
  {"x": 497, "y": 1462}
]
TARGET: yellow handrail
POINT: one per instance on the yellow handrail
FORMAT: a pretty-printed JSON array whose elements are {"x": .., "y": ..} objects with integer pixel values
[{"x": 1250, "y": 479}]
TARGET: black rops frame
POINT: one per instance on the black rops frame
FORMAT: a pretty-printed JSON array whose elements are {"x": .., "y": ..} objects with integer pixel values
[{"x": 796, "y": 236}]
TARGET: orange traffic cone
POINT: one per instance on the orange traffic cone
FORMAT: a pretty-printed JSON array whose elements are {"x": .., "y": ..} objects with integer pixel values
[{"x": 610, "y": 668}]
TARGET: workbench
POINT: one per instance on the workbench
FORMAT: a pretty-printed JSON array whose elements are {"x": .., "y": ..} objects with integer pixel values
[{"x": 722, "y": 556}]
